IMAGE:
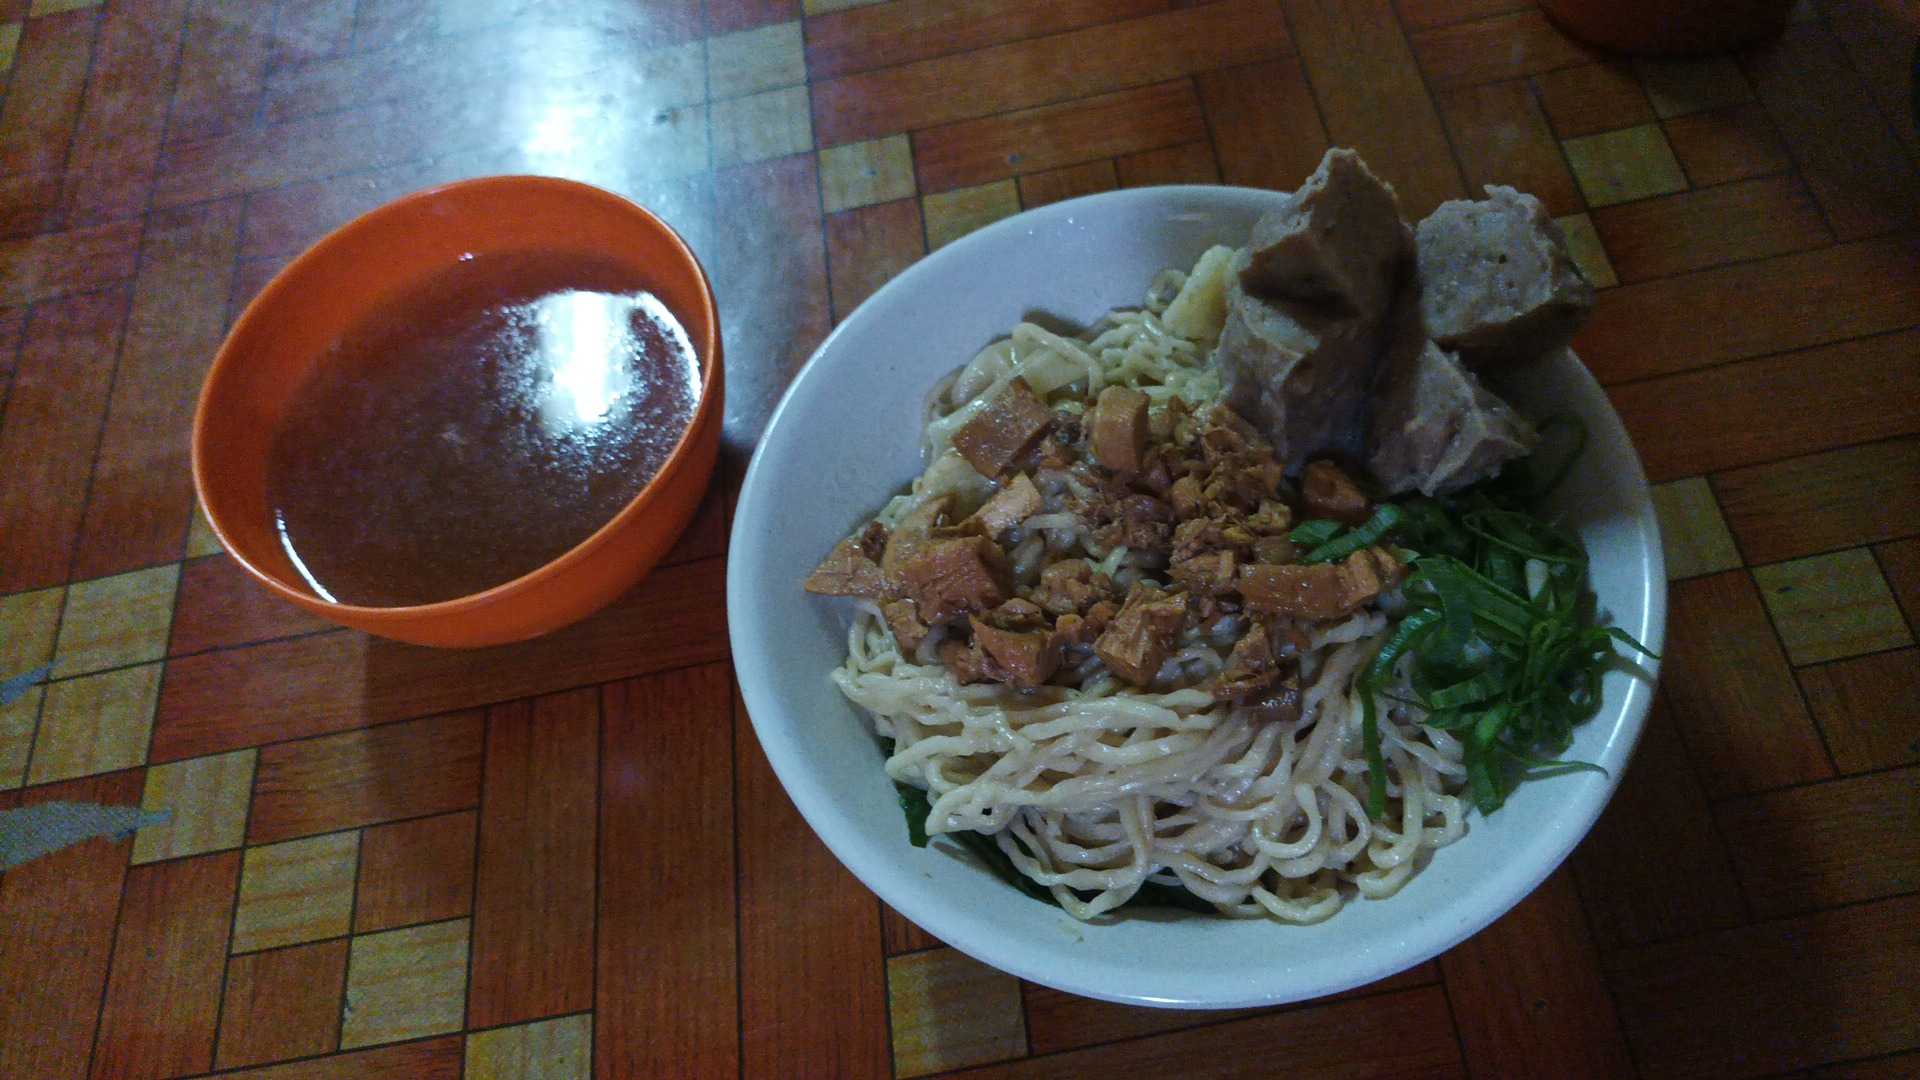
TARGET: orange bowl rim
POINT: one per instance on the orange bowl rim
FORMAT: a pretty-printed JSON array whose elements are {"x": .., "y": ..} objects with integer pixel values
[{"x": 710, "y": 377}]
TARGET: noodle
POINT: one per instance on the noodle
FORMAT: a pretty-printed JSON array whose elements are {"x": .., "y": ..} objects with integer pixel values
[{"x": 1093, "y": 789}]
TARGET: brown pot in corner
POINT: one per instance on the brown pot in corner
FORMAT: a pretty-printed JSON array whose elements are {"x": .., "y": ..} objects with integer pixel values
[{"x": 1670, "y": 26}]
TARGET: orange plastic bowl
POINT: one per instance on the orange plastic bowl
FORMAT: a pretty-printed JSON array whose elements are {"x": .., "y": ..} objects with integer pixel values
[{"x": 349, "y": 274}]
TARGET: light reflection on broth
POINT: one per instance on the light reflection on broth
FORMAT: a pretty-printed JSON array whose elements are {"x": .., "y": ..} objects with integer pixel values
[{"x": 477, "y": 427}]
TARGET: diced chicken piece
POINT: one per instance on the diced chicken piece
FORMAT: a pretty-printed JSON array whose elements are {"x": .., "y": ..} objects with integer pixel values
[
  {"x": 1209, "y": 574},
  {"x": 1246, "y": 480},
  {"x": 1251, "y": 666},
  {"x": 1141, "y": 637},
  {"x": 1275, "y": 550},
  {"x": 1072, "y": 630},
  {"x": 848, "y": 571},
  {"x": 1435, "y": 428},
  {"x": 956, "y": 576},
  {"x": 1330, "y": 493},
  {"x": 1017, "y": 614},
  {"x": 1156, "y": 471},
  {"x": 1339, "y": 242},
  {"x": 1280, "y": 703},
  {"x": 911, "y": 534},
  {"x": 1137, "y": 522},
  {"x": 1014, "y": 503},
  {"x": 964, "y": 661},
  {"x": 903, "y": 618},
  {"x": 1198, "y": 535},
  {"x": 1300, "y": 375},
  {"x": 1228, "y": 433},
  {"x": 1185, "y": 495},
  {"x": 1002, "y": 432},
  {"x": 1098, "y": 616},
  {"x": 1166, "y": 425},
  {"x": 1119, "y": 425},
  {"x": 1070, "y": 587},
  {"x": 1320, "y": 590},
  {"x": 1496, "y": 282},
  {"x": 872, "y": 540},
  {"x": 1020, "y": 658},
  {"x": 1273, "y": 518}
]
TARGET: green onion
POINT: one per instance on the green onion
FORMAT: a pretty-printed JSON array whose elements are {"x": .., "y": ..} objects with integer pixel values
[
  {"x": 913, "y": 802},
  {"x": 1376, "y": 761},
  {"x": 1498, "y": 640},
  {"x": 1339, "y": 547},
  {"x": 1314, "y": 532}
]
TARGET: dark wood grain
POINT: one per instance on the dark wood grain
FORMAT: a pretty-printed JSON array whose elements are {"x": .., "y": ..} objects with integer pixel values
[
  {"x": 1024, "y": 74},
  {"x": 1190, "y": 164},
  {"x": 1868, "y": 708},
  {"x": 163, "y": 994},
  {"x": 1267, "y": 131},
  {"x": 366, "y": 777},
  {"x": 1424, "y": 14},
  {"x": 218, "y": 605},
  {"x": 117, "y": 139},
  {"x": 770, "y": 253},
  {"x": 223, "y": 67},
  {"x": 804, "y": 921},
  {"x": 142, "y": 493},
  {"x": 1731, "y": 692},
  {"x": 1592, "y": 98},
  {"x": 59, "y": 913},
  {"x": 281, "y": 1004},
  {"x": 1502, "y": 137},
  {"x": 1033, "y": 140},
  {"x": 431, "y": 1059},
  {"x": 1863, "y": 177},
  {"x": 1727, "y": 144},
  {"x": 1750, "y": 219},
  {"x": 1846, "y": 393},
  {"x": 868, "y": 245},
  {"x": 415, "y": 871},
  {"x": 1786, "y": 302},
  {"x": 1830, "y": 500},
  {"x": 888, "y": 35},
  {"x": 1901, "y": 563},
  {"x": 52, "y": 59},
  {"x": 48, "y": 432},
  {"x": 1828, "y": 844},
  {"x": 1068, "y": 182},
  {"x": 342, "y": 680},
  {"x": 1372, "y": 98},
  {"x": 1529, "y": 987},
  {"x": 1775, "y": 996},
  {"x": 534, "y": 885},
  {"x": 1488, "y": 50},
  {"x": 1659, "y": 818},
  {"x": 665, "y": 988},
  {"x": 1403, "y": 1035},
  {"x": 56, "y": 264},
  {"x": 901, "y": 935}
]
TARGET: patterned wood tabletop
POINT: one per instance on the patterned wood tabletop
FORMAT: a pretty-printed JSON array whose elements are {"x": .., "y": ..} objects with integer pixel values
[{"x": 570, "y": 856}]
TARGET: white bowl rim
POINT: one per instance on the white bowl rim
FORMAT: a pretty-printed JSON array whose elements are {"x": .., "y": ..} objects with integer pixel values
[{"x": 1105, "y": 976}]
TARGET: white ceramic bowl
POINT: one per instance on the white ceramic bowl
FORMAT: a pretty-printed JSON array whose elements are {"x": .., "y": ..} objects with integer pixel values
[{"x": 845, "y": 438}]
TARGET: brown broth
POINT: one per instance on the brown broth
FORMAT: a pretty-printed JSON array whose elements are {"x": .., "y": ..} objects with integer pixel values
[{"x": 477, "y": 427}]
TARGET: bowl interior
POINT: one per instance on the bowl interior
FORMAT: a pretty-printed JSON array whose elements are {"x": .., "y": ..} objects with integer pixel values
[
  {"x": 287, "y": 329},
  {"x": 845, "y": 439}
]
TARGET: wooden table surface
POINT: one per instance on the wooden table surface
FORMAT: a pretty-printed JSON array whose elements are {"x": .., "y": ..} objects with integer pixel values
[{"x": 570, "y": 856}]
